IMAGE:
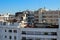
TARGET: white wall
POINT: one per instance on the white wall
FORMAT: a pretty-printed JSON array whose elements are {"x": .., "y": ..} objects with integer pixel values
[{"x": 58, "y": 32}]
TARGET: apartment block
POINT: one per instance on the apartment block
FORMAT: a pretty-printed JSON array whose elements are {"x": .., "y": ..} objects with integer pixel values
[
  {"x": 47, "y": 16},
  {"x": 25, "y": 17},
  {"x": 7, "y": 17}
]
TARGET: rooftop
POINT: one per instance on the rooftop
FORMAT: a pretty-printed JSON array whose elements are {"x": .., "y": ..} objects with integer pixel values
[{"x": 11, "y": 25}]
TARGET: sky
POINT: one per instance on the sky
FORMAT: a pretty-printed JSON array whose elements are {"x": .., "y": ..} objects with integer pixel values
[{"x": 13, "y": 6}]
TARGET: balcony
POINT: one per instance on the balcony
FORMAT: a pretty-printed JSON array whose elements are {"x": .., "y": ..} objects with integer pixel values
[
  {"x": 40, "y": 29},
  {"x": 39, "y": 33},
  {"x": 39, "y": 36},
  {"x": 45, "y": 25}
]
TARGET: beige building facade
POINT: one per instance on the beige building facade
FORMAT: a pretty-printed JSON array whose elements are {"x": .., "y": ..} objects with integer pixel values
[{"x": 47, "y": 16}]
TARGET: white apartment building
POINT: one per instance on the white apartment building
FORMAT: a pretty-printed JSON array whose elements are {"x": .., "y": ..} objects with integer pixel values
[
  {"x": 10, "y": 31},
  {"x": 6, "y": 17},
  {"x": 14, "y": 31}
]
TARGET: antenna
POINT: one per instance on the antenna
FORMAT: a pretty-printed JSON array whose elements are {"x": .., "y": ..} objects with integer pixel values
[
  {"x": 44, "y": 7},
  {"x": 43, "y": 3}
]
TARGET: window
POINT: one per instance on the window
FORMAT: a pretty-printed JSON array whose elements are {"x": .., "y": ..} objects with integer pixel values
[
  {"x": 21, "y": 18},
  {"x": 36, "y": 16},
  {"x": 10, "y": 30},
  {"x": 28, "y": 39},
  {"x": 5, "y": 30},
  {"x": 15, "y": 31},
  {"x": 10, "y": 37},
  {"x": 53, "y": 33},
  {"x": 44, "y": 16},
  {"x": 37, "y": 38},
  {"x": 36, "y": 20},
  {"x": 4, "y": 23},
  {"x": 46, "y": 33},
  {"x": 29, "y": 20},
  {"x": 15, "y": 37},
  {"x": 23, "y": 32},
  {"x": 5, "y": 36},
  {"x": 23, "y": 38},
  {"x": 54, "y": 39}
]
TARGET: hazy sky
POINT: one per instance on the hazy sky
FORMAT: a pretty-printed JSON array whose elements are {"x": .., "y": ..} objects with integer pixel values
[{"x": 13, "y": 6}]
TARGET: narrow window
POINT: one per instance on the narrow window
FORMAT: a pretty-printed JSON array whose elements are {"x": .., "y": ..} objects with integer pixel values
[
  {"x": 15, "y": 31},
  {"x": 5, "y": 36},
  {"x": 15, "y": 37},
  {"x": 54, "y": 39},
  {"x": 23, "y": 32},
  {"x": 10, "y": 30},
  {"x": 10, "y": 37},
  {"x": 5, "y": 30},
  {"x": 46, "y": 33}
]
